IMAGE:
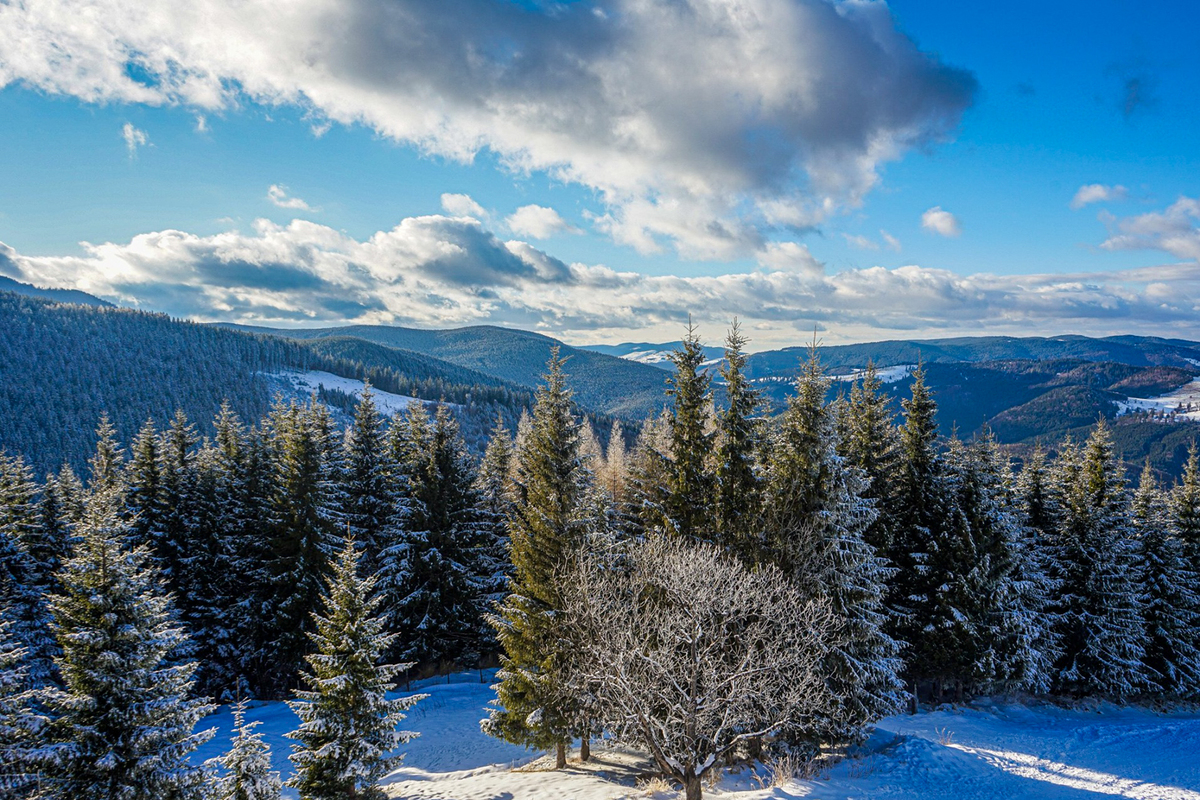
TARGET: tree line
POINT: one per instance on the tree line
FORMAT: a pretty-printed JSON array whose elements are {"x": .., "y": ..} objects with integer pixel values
[{"x": 728, "y": 585}]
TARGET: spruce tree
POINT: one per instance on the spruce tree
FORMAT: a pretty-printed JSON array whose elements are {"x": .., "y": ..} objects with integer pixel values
[
  {"x": 689, "y": 489},
  {"x": 871, "y": 444},
  {"x": 1101, "y": 628},
  {"x": 20, "y": 726},
  {"x": 1185, "y": 509},
  {"x": 107, "y": 464},
  {"x": 738, "y": 494},
  {"x": 23, "y": 580},
  {"x": 816, "y": 518},
  {"x": 495, "y": 491},
  {"x": 122, "y": 723},
  {"x": 146, "y": 497},
  {"x": 347, "y": 730},
  {"x": 546, "y": 529},
  {"x": 643, "y": 507},
  {"x": 246, "y": 772},
  {"x": 372, "y": 503},
  {"x": 1172, "y": 602}
]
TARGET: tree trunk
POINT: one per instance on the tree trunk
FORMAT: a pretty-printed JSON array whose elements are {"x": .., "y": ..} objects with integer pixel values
[
  {"x": 754, "y": 748},
  {"x": 691, "y": 787},
  {"x": 585, "y": 748},
  {"x": 560, "y": 755}
]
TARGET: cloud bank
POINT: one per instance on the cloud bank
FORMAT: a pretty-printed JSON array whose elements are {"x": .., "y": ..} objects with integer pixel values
[
  {"x": 700, "y": 124},
  {"x": 439, "y": 271}
]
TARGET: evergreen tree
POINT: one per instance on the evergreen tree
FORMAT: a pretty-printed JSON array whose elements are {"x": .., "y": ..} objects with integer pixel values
[
  {"x": 247, "y": 773},
  {"x": 372, "y": 504},
  {"x": 19, "y": 724},
  {"x": 438, "y": 597},
  {"x": 1172, "y": 605},
  {"x": 145, "y": 496},
  {"x": 870, "y": 443},
  {"x": 649, "y": 473},
  {"x": 689, "y": 488},
  {"x": 614, "y": 478},
  {"x": 817, "y": 517},
  {"x": 22, "y": 579},
  {"x": 495, "y": 491},
  {"x": 1185, "y": 509},
  {"x": 1102, "y": 632},
  {"x": 738, "y": 493},
  {"x": 347, "y": 724},
  {"x": 108, "y": 462},
  {"x": 546, "y": 528},
  {"x": 122, "y": 724}
]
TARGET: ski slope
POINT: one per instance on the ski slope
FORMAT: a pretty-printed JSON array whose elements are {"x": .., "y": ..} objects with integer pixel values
[{"x": 983, "y": 752}]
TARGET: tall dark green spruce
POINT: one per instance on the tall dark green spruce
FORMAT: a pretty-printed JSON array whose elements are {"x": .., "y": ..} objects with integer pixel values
[
  {"x": 1185, "y": 509},
  {"x": 123, "y": 721},
  {"x": 494, "y": 486},
  {"x": 816, "y": 518},
  {"x": 1099, "y": 599},
  {"x": 20, "y": 725},
  {"x": 738, "y": 494},
  {"x": 1172, "y": 605},
  {"x": 438, "y": 582},
  {"x": 690, "y": 480},
  {"x": 372, "y": 501},
  {"x": 347, "y": 736},
  {"x": 871, "y": 444},
  {"x": 546, "y": 528}
]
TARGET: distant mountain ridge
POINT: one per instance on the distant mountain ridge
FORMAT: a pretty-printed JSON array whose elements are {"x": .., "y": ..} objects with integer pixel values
[{"x": 56, "y": 295}]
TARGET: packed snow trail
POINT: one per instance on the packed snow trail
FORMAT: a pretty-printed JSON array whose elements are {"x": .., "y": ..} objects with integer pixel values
[{"x": 978, "y": 753}]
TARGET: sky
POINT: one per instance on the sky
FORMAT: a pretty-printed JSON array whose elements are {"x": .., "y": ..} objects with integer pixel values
[{"x": 600, "y": 170}]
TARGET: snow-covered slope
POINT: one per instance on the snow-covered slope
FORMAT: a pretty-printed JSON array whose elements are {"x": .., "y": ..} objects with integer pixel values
[
  {"x": 979, "y": 753},
  {"x": 304, "y": 383},
  {"x": 1184, "y": 401}
]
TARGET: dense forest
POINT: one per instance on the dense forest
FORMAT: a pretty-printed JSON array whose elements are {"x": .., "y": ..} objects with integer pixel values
[{"x": 732, "y": 584}]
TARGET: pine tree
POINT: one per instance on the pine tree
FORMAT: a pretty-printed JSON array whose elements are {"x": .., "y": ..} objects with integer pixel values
[
  {"x": 22, "y": 578},
  {"x": 145, "y": 496},
  {"x": 495, "y": 492},
  {"x": 738, "y": 492},
  {"x": 871, "y": 444},
  {"x": 816, "y": 520},
  {"x": 1185, "y": 509},
  {"x": 614, "y": 478},
  {"x": 1172, "y": 607},
  {"x": 546, "y": 528},
  {"x": 108, "y": 462},
  {"x": 438, "y": 596},
  {"x": 20, "y": 726},
  {"x": 122, "y": 724},
  {"x": 247, "y": 773},
  {"x": 689, "y": 488},
  {"x": 347, "y": 724},
  {"x": 1102, "y": 632},
  {"x": 649, "y": 473},
  {"x": 372, "y": 503}
]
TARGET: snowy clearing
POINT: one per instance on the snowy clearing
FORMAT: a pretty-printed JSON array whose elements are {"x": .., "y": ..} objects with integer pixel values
[
  {"x": 1184, "y": 401},
  {"x": 978, "y": 753},
  {"x": 305, "y": 382},
  {"x": 885, "y": 374}
]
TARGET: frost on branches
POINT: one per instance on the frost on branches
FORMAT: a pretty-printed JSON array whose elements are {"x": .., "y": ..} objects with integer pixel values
[{"x": 690, "y": 654}]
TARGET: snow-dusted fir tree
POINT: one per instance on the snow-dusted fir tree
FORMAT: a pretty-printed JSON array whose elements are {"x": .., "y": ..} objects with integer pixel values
[
  {"x": 737, "y": 503},
  {"x": 439, "y": 573},
  {"x": 1185, "y": 509},
  {"x": 649, "y": 473},
  {"x": 347, "y": 734},
  {"x": 547, "y": 526},
  {"x": 690, "y": 481},
  {"x": 1102, "y": 633},
  {"x": 19, "y": 724},
  {"x": 870, "y": 443},
  {"x": 371, "y": 498},
  {"x": 244, "y": 773},
  {"x": 1172, "y": 605},
  {"x": 494, "y": 486},
  {"x": 816, "y": 518},
  {"x": 107, "y": 464},
  {"x": 613, "y": 480},
  {"x": 122, "y": 723},
  {"x": 144, "y": 496}
]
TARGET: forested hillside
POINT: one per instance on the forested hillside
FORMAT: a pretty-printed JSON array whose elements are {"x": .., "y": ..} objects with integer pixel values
[{"x": 62, "y": 365}]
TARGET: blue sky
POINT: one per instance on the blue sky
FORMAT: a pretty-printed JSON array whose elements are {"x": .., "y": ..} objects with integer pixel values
[{"x": 875, "y": 170}]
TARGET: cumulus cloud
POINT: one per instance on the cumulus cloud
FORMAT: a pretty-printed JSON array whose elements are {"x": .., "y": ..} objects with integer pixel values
[
  {"x": 700, "y": 124},
  {"x": 940, "y": 222},
  {"x": 439, "y": 271},
  {"x": 279, "y": 196},
  {"x": 538, "y": 222},
  {"x": 1097, "y": 193},
  {"x": 462, "y": 205},
  {"x": 1175, "y": 230},
  {"x": 134, "y": 138}
]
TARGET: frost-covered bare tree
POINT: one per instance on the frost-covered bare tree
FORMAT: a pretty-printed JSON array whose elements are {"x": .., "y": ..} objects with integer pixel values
[{"x": 689, "y": 654}]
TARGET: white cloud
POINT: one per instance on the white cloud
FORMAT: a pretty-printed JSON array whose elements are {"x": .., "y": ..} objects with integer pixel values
[
  {"x": 940, "y": 222},
  {"x": 1097, "y": 193},
  {"x": 1175, "y": 230},
  {"x": 134, "y": 138},
  {"x": 699, "y": 123},
  {"x": 860, "y": 241},
  {"x": 892, "y": 242},
  {"x": 201, "y": 124},
  {"x": 538, "y": 222},
  {"x": 462, "y": 205},
  {"x": 278, "y": 195},
  {"x": 440, "y": 271}
]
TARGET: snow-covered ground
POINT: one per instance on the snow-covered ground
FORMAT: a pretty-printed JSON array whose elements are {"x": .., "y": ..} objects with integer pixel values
[
  {"x": 885, "y": 374},
  {"x": 979, "y": 753},
  {"x": 305, "y": 382},
  {"x": 1185, "y": 401}
]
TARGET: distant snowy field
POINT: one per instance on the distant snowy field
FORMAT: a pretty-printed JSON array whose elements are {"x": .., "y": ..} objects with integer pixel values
[
  {"x": 305, "y": 382},
  {"x": 1185, "y": 401},
  {"x": 978, "y": 753}
]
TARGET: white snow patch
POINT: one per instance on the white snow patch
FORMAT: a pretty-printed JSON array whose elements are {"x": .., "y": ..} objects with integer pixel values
[
  {"x": 305, "y": 382},
  {"x": 885, "y": 374},
  {"x": 649, "y": 356},
  {"x": 1184, "y": 402},
  {"x": 980, "y": 752}
]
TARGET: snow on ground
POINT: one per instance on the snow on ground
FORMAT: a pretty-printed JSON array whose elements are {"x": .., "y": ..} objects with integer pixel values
[
  {"x": 982, "y": 752},
  {"x": 305, "y": 382},
  {"x": 885, "y": 374},
  {"x": 1185, "y": 401}
]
